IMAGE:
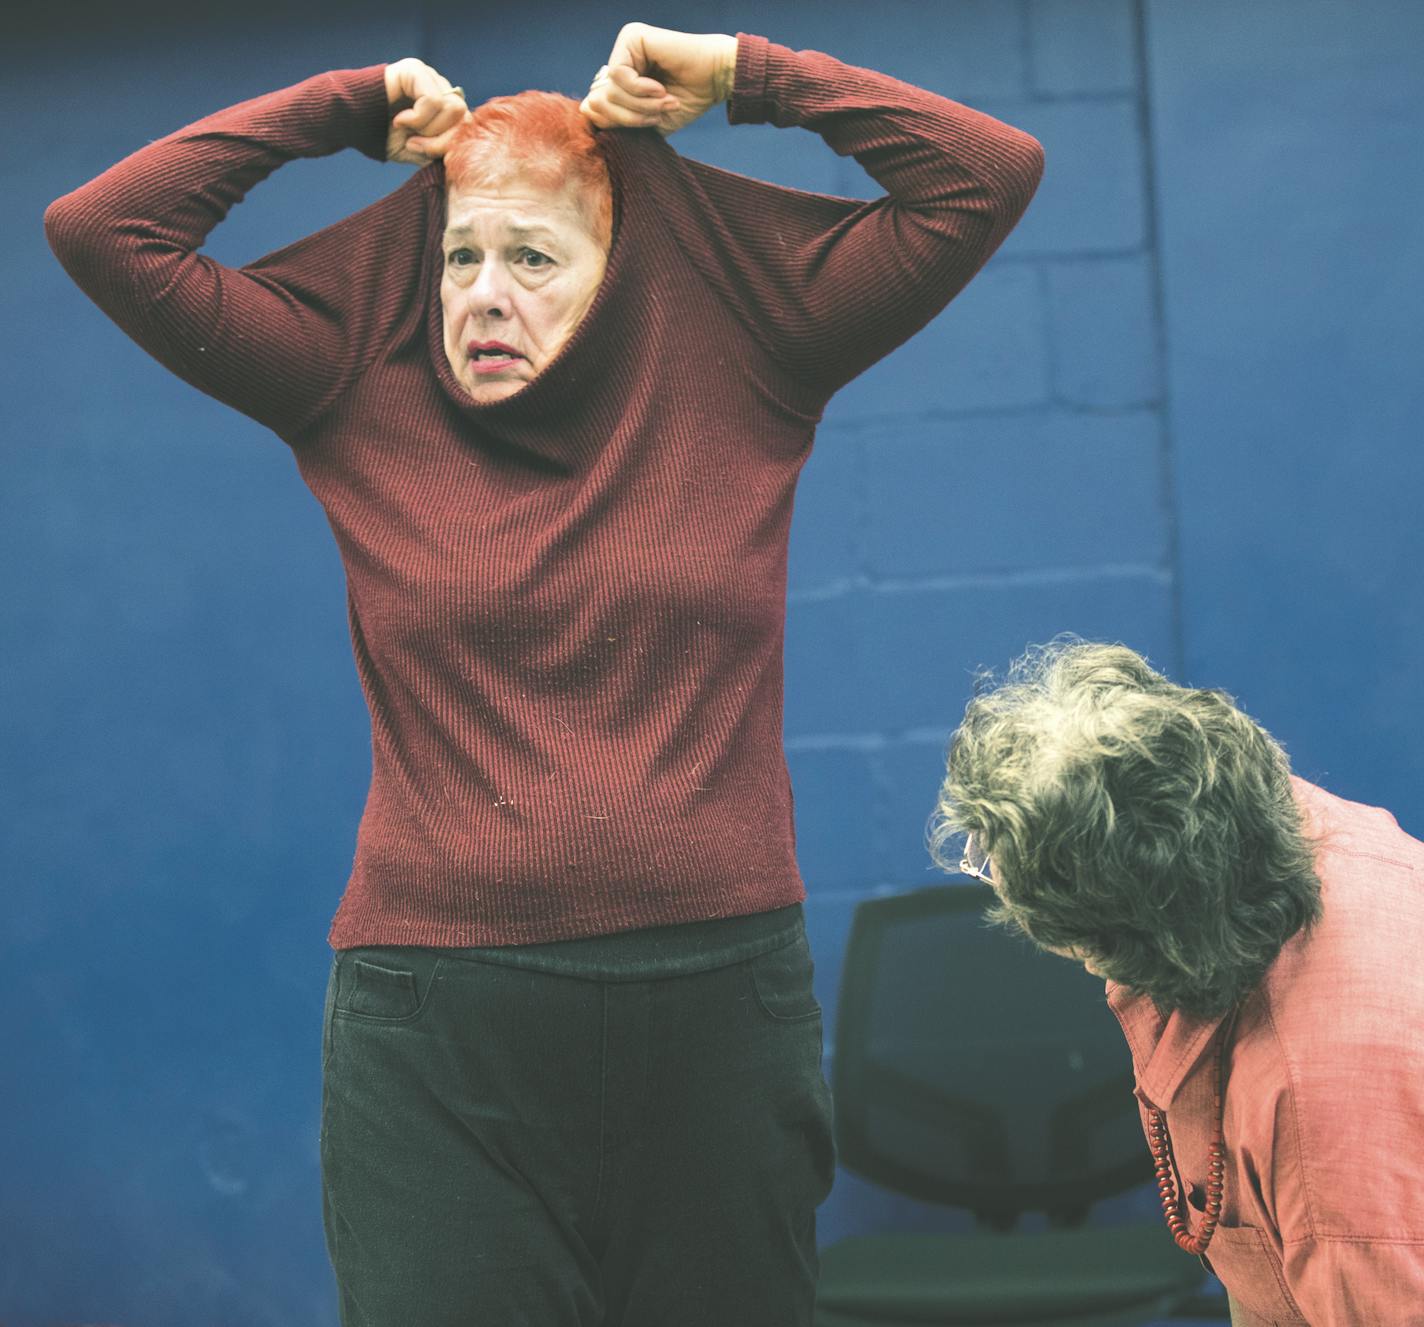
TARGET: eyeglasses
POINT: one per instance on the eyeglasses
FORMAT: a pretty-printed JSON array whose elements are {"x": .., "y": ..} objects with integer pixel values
[{"x": 967, "y": 867}]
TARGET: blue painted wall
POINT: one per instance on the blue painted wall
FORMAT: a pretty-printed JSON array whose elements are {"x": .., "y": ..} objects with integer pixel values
[
  {"x": 1178, "y": 409},
  {"x": 1286, "y": 146}
]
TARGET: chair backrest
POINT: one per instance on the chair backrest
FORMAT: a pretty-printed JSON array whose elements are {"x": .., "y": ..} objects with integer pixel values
[{"x": 972, "y": 1069}]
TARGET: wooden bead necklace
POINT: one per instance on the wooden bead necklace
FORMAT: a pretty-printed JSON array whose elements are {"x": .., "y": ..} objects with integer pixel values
[{"x": 1164, "y": 1163}]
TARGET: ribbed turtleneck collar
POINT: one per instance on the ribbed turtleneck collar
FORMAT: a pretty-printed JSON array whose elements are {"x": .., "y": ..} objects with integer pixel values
[{"x": 565, "y": 414}]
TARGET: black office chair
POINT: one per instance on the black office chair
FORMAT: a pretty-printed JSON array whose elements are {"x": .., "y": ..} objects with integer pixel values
[{"x": 975, "y": 1071}]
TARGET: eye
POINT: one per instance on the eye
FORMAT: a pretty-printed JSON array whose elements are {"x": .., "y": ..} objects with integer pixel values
[
  {"x": 460, "y": 257},
  {"x": 533, "y": 258}
]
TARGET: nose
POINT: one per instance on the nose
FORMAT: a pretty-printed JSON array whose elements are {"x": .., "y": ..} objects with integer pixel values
[{"x": 490, "y": 293}]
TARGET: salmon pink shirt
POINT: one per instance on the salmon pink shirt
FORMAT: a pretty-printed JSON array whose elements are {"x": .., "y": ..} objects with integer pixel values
[{"x": 1323, "y": 1215}]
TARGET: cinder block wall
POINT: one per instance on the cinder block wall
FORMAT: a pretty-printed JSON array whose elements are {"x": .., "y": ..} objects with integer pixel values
[{"x": 1002, "y": 478}]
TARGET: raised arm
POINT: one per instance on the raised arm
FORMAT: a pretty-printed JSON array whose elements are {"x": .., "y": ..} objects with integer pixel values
[
  {"x": 831, "y": 286},
  {"x": 282, "y": 337}
]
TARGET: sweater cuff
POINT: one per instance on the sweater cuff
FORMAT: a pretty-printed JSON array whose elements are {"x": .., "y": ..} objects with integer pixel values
[
  {"x": 363, "y": 114},
  {"x": 748, "y": 102}
]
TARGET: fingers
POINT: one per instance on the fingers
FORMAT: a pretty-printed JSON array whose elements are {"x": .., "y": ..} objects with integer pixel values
[
  {"x": 414, "y": 79},
  {"x": 434, "y": 148},
  {"x": 433, "y": 113},
  {"x": 621, "y": 98},
  {"x": 629, "y": 50},
  {"x": 628, "y": 82},
  {"x": 422, "y": 93}
]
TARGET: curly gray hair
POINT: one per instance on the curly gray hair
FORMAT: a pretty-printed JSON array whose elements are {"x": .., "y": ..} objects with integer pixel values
[{"x": 1149, "y": 828}]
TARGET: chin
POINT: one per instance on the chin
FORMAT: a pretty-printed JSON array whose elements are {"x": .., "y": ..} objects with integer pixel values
[{"x": 487, "y": 392}]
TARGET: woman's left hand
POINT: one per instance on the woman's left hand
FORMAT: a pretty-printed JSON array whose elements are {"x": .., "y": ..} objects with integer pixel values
[{"x": 659, "y": 79}]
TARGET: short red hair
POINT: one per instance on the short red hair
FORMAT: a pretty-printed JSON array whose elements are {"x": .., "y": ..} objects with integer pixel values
[{"x": 537, "y": 136}]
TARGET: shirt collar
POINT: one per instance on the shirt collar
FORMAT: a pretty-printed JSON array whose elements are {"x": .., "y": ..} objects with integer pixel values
[{"x": 1165, "y": 1047}]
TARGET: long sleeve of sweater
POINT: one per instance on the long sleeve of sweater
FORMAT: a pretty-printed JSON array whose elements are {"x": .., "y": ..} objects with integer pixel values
[
  {"x": 282, "y": 337},
  {"x": 567, "y": 607},
  {"x": 829, "y": 286}
]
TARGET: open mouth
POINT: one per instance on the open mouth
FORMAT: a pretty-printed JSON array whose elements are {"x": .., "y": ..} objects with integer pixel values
[{"x": 490, "y": 356}]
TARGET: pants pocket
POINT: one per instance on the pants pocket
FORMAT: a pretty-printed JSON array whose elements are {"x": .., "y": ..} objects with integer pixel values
[
  {"x": 384, "y": 985},
  {"x": 782, "y": 982}
]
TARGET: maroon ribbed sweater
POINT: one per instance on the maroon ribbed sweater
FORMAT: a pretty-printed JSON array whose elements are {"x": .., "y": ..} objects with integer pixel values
[{"x": 567, "y": 606}]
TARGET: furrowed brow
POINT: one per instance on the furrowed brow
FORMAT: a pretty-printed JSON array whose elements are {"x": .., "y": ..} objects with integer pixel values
[
  {"x": 534, "y": 232},
  {"x": 517, "y": 234}
]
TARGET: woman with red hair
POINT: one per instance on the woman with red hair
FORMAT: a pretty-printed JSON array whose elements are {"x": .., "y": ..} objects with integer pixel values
[{"x": 554, "y": 393}]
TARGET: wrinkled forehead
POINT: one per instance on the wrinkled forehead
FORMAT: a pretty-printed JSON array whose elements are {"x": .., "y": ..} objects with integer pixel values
[{"x": 515, "y": 210}]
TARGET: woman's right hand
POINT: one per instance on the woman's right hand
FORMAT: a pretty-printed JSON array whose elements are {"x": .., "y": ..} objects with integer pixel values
[{"x": 427, "y": 111}]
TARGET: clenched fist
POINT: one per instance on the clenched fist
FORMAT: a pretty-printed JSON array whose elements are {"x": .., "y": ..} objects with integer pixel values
[
  {"x": 659, "y": 79},
  {"x": 427, "y": 109}
]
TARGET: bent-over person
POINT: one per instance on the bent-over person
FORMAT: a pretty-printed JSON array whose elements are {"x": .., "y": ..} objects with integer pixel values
[{"x": 1260, "y": 939}]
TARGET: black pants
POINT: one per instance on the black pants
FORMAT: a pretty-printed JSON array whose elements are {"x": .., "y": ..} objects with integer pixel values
[{"x": 514, "y": 1148}]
